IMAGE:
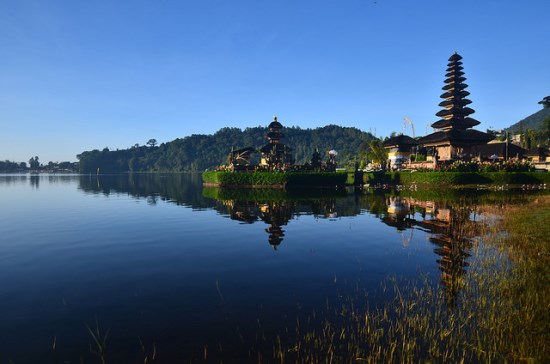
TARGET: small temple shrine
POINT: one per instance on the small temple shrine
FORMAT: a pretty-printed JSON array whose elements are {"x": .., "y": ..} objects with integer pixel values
[
  {"x": 455, "y": 139},
  {"x": 399, "y": 150},
  {"x": 275, "y": 153}
]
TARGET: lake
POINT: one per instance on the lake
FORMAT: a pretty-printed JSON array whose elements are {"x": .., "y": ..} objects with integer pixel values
[{"x": 185, "y": 273}]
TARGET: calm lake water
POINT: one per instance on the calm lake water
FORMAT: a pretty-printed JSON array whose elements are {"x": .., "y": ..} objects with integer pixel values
[{"x": 168, "y": 266}]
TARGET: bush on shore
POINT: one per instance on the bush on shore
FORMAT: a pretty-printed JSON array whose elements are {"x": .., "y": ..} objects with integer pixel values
[{"x": 456, "y": 178}]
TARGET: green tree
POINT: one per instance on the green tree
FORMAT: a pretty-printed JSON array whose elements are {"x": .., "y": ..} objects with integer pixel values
[
  {"x": 522, "y": 135},
  {"x": 8, "y": 166},
  {"x": 152, "y": 143},
  {"x": 378, "y": 153},
  {"x": 544, "y": 134},
  {"x": 198, "y": 152},
  {"x": 34, "y": 163}
]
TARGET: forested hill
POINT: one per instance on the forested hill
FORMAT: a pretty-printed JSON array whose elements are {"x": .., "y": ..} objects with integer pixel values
[
  {"x": 534, "y": 121},
  {"x": 199, "y": 152}
]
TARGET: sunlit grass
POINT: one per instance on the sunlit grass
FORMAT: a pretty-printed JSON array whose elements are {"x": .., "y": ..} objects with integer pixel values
[{"x": 501, "y": 313}]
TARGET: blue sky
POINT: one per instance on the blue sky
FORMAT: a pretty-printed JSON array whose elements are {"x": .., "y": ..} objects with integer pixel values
[{"x": 82, "y": 75}]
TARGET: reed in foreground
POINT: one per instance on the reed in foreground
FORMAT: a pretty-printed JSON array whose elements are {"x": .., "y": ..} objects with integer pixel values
[{"x": 501, "y": 313}]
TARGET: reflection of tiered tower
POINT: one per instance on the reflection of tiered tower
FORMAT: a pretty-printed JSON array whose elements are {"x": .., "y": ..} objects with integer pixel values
[
  {"x": 453, "y": 245},
  {"x": 276, "y": 215},
  {"x": 276, "y": 234},
  {"x": 455, "y": 139},
  {"x": 275, "y": 153},
  {"x": 451, "y": 230}
]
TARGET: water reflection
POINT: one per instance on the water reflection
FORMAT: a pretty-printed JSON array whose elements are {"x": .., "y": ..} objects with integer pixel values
[
  {"x": 184, "y": 277},
  {"x": 36, "y": 178},
  {"x": 35, "y": 181},
  {"x": 12, "y": 179},
  {"x": 451, "y": 225},
  {"x": 181, "y": 188},
  {"x": 449, "y": 217},
  {"x": 277, "y": 212},
  {"x": 276, "y": 215},
  {"x": 452, "y": 228}
]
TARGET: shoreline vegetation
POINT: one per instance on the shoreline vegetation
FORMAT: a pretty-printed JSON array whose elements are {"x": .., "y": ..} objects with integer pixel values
[
  {"x": 308, "y": 179},
  {"x": 273, "y": 179},
  {"x": 456, "y": 178},
  {"x": 501, "y": 313}
]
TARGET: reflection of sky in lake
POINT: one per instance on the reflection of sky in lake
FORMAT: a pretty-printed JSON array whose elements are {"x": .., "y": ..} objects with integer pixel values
[{"x": 175, "y": 268}]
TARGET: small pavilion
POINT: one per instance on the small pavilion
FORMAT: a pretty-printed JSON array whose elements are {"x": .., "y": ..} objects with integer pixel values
[
  {"x": 241, "y": 157},
  {"x": 455, "y": 139},
  {"x": 399, "y": 150}
]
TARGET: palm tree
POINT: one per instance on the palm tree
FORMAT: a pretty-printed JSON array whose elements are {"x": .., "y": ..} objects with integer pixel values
[{"x": 378, "y": 153}]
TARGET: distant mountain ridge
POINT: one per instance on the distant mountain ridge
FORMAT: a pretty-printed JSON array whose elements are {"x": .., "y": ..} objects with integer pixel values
[
  {"x": 199, "y": 152},
  {"x": 533, "y": 121}
]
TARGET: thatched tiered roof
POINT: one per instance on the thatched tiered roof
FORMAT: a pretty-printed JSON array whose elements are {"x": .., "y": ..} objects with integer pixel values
[
  {"x": 275, "y": 152},
  {"x": 455, "y": 122}
]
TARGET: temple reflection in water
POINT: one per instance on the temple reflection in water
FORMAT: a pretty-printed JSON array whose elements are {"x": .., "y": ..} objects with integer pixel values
[
  {"x": 277, "y": 214},
  {"x": 452, "y": 230},
  {"x": 450, "y": 227}
]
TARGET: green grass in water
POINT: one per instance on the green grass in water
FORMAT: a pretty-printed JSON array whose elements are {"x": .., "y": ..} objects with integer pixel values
[{"x": 502, "y": 313}]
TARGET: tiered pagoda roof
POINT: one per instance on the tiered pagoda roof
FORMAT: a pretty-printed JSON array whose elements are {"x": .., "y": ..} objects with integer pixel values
[
  {"x": 455, "y": 113},
  {"x": 275, "y": 152},
  {"x": 455, "y": 117},
  {"x": 274, "y": 136}
]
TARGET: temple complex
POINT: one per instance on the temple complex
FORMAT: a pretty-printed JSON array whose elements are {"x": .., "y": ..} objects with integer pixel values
[
  {"x": 276, "y": 156},
  {"x": 455, "y": 138}
]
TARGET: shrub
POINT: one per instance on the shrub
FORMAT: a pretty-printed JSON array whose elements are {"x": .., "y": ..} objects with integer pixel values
[
  {"x": 456, "y": 178},
  {"x": 463, "y": 166},
  {"x": 474, "y": 166}
]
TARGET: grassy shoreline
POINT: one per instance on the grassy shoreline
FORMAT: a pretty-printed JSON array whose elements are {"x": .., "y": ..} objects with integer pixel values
[
  {"x": 502, "y": 312},
  {"x": 456, "y": 178},
  {"x": 283, "y": 180}
]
